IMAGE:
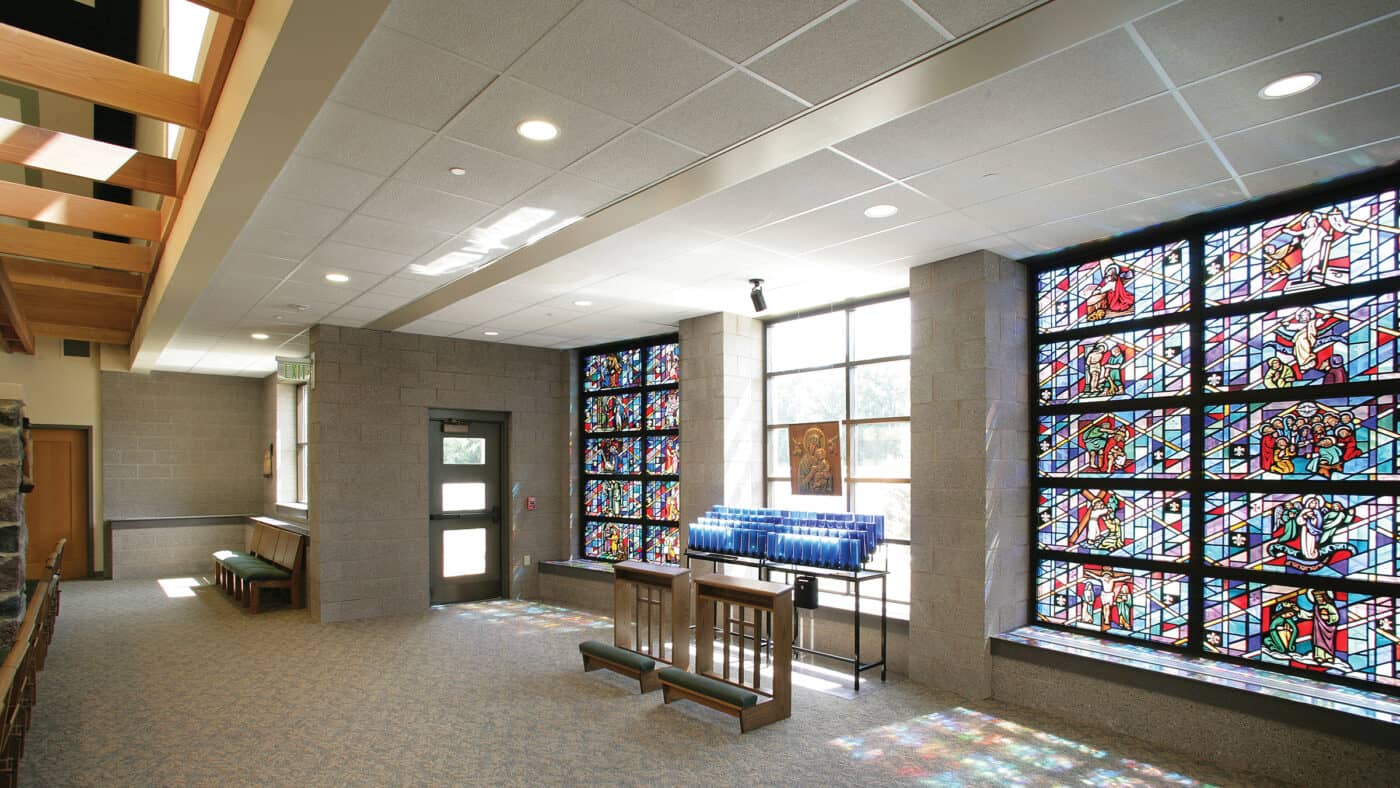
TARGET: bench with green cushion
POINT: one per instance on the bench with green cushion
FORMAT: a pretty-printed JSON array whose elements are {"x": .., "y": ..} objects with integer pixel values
[
  {"x": 274, "y": 560},
  {"x": 693, "y": 684},
  {"x": 619, "y": 660}
]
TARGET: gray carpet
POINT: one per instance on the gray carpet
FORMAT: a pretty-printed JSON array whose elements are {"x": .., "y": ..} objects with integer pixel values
[{"x": 145, "y": 687}]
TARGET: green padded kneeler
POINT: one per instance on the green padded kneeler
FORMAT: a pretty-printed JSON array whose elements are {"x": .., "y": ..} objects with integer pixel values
[
  {"x": 704, "y": 685},
  {"x": 620, "y": 656}
]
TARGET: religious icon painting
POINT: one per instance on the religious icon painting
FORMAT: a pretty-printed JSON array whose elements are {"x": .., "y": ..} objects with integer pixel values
[{"x": 816, "y": 458}]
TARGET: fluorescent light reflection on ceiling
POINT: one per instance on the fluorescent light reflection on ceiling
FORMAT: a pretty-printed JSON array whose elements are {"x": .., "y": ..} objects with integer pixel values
[{"x": 484, "y": 242}]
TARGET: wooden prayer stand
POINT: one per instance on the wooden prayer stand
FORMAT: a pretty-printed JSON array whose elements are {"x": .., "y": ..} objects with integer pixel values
[
  {"x": 651, "y": 611},
  {"x": 651, "y": 623},
  {"x": 754, "y": 613}
]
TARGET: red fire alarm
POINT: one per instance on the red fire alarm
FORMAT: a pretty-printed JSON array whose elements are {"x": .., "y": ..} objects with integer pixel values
[{"x": 530, "y": 503}]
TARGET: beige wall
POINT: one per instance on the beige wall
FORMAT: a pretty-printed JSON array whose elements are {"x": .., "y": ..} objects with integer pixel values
[{"x": 63, "y": 390}]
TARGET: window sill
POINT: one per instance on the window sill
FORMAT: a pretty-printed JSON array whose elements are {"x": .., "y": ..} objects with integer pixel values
[
  {"x": 1250, "y": 686},
  {"x": 578, "y": 567}
]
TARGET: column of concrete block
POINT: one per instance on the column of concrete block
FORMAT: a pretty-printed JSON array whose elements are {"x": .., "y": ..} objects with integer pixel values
[{"x": 969, "y": 485}]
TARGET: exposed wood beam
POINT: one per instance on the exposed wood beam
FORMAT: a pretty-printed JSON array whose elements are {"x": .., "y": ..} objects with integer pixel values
[
  {"x": 48, "y": 305},
  {"x": 67, "y": 277},
  {"x": 223, "y": 45},
  {"x": 71, "y": 210},
  {"x": 41, "y": 62},
  {"x": 236, "y": 9},
  {"x": 110, "y": 336},
  {"x": 70, "y": 154},
  {"x": 15, "y": 316},
  {"x": 65, "y": 248}
]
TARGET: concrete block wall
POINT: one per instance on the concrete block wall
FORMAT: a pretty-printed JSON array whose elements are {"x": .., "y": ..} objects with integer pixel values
[
  {"x": 14, "y": 539},
  {"x": 369, "y": 469},
  {"x": 721, "y": 413},
  {"x": 176, "y": 444},
  {"x": 172, "y": 551},
  {"x": 970, "y": 492}
]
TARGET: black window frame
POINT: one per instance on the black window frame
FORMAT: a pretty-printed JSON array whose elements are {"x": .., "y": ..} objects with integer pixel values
[
  {"x": 648, "y": 525},
  {"x": 1194, "y": 229}
]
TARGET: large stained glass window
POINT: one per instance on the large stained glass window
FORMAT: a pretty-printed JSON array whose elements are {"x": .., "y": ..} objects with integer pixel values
[
  {"x": 629, "y": 419},
  {"x": 1215, "y": 439}
]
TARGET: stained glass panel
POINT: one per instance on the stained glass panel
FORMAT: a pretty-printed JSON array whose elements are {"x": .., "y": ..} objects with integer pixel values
[
  {"x": 613, "y": 413},
  {"x": 1343, "y": 243},
  {"x": 612, "y": 498},
  {"x": 663, "y": 455},
  {"x": 1149, "y": 363},
  {"x": 1131, "y": 602},
  {"x": 1351, "y": 536},
  {"x": 612, "y": 455},
  {"x": 663, "y": 410},
  {"x": 1341, "y": 438},
  {"x": 1134, "y": 443},
  {"x": 1138, "y": 284},
  {"x": 1341, "y": 633},
  {"x": 664, "y": 501},
  {"x": 1150, "y": 524},
  {"x": 1330, "y": 343},
  {"x": 663, "y": 545},
  {"x": 612, "y": 541},
  {"x": 618, "y": 370},
  {"x": 664, "y": 364}
]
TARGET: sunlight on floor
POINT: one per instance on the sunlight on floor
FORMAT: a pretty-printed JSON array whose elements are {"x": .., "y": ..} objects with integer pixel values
[
  {"x": 175, "y": 587},
  {"x": 528, "y": 617},
  {"x": 964, "y": 747}
]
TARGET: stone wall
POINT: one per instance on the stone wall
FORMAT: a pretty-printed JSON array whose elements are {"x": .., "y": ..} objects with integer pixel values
[
  {"x": 970, "y": 492},
  {"x": 369, "y": 469},
  {"x": 178, "y": 445},
  {"x": 13, "y": 537}
]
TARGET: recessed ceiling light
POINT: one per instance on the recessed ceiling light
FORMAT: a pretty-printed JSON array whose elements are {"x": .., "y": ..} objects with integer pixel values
[
  {"x": 1291, "y": 85},
  {"x": 881, "y": 211},
  {"x": 457, "y": 170},
  {"x": 492, "y": 333},
  {"x": 260, "y": 336},
  {"x": 537, "y": 130},
  {"x": 337, "y": 278},
  {"x": 583, "y": 303},
  {"x": 299, "y": 307}
]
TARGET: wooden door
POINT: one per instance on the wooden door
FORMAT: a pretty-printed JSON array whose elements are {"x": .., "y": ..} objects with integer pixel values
[{"x": 58, "y": 506}]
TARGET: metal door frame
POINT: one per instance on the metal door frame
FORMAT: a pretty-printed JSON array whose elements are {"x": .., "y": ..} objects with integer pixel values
[{"x": 501, "y": 418}]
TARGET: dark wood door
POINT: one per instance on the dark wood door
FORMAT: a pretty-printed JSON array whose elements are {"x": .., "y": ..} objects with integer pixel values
[{"x": 58, "y": 506}]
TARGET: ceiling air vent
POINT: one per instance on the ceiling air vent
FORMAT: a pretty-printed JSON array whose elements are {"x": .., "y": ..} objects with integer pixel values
[{"x": 77, "y": 347}]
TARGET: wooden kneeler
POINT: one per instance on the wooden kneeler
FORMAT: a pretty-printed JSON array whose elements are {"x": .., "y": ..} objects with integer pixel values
[
  {"x": 651, "y": 623},
  {"x": 755, "y": 613}
]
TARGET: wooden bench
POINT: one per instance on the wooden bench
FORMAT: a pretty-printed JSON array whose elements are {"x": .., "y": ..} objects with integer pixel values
[
  {"x": 275, "y": 558},
  {"x": 755, "y": 613},
  {"x": 651, "y": 623},
  {"x": 19, "y": 676}
]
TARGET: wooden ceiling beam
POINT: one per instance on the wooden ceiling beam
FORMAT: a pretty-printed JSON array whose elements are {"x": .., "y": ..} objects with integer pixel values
[
  {"x": 110, "y": 336},
  {"x": 47, "y": 305},
  {"x": 235, "y": 9},
  {"x": 70, "y": 154},
  {"x": 67, "y": 277},
  {"x": 41, "y": 62},
  {"x": 15, "y": 316},
  {"x": 65, "y": 248},
  {"x": 84, "y": 213}
]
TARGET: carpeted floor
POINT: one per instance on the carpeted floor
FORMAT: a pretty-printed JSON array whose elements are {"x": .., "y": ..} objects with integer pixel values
[{"x": 151, "y": 684}]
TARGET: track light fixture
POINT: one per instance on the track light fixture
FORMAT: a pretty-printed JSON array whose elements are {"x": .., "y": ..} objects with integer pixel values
[{"x": 756, "y": 295}]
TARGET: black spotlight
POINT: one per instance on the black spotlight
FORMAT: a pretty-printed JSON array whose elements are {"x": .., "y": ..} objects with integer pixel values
[{"x": 756, "y": 295}]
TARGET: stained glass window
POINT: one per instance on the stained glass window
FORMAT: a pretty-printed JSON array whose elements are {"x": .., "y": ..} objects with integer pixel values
[
  {"x": 1348, "y": 341},
  {"x": 1150, "y": 363},
  {"x": 1256, "y": 426},
  {"x": 1150, "y": 444},
  {"x": 1343, "y": 633},
  {"x": 1342, "y": 243},
  {"x": 620, "y": 369},
  {"x": 1311, "y": 440},
  {"x": 630, "y": 462},
  {"x": 1151, "y": 524},
  {"x": 1127, "y": 602},
  {"x": 1311, "y": 534},
  {"x": 664, "y": 364},
  {"x": 1124, "y": 287}
]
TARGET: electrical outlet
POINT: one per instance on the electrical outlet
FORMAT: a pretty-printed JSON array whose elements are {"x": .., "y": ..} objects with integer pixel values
[{"x": 527, "y": 559}]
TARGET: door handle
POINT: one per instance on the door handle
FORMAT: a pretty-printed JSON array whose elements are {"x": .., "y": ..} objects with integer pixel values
[{"x": 496, "y": 515}]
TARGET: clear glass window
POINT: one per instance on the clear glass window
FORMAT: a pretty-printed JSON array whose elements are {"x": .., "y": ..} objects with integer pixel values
[
  {"x": 807, "y": 342},
  {"x": 463, "y": 496},
  {"x": 463, "y": 451},
  {"x": 464, "y": 552}
]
